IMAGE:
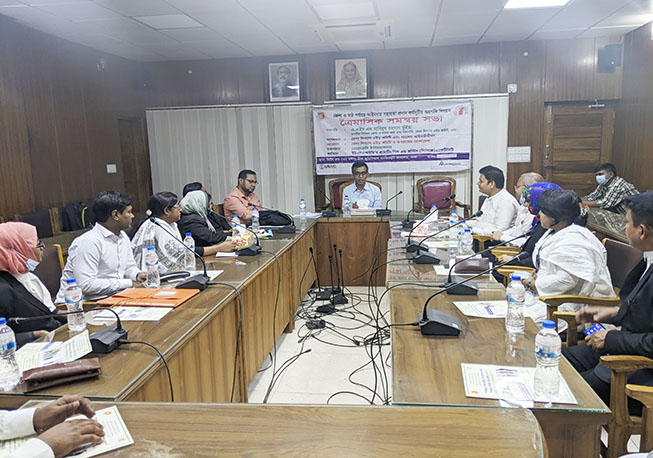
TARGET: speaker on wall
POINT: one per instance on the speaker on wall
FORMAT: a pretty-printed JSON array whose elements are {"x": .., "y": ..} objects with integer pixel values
[{"x": 608, "y": 58}]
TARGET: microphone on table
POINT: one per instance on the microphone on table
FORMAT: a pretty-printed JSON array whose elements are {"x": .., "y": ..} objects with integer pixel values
[
  {"x": 103, "y": 341},
  {"x": 329, "y": 308},
  {"x": 436, "y": 323},
  {"x": 288, "y": 229},
  {"x": 338, "y": 296},
  {"x": 327, "y": 213},
  {"x": 251, "y": 250},
  {"x": 199, "y": 281},
  {"x": 411, "y": 247},
  {"x": 385, "y": 211},
  {"x": 320, "y": 295},
  {"x": 421, "y": 253},
  {"x": 408, "y": 224},
  {"x": 471, "y": 289}
]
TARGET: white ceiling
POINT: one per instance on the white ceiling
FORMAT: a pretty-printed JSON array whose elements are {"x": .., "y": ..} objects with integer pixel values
[{"x": 159, "y": 30}]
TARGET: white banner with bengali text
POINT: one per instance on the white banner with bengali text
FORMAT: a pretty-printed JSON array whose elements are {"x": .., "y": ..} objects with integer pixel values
[{"x": 421, "y": 136}]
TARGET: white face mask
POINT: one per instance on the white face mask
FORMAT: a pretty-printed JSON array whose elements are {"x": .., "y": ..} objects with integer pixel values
[
  {"x": 31, "y": 264},
  {"x": 522, "y": 200},
  {"x": 601, "y": 179}
]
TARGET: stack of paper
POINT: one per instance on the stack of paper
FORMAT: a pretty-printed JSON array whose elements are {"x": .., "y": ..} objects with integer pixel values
[{"x": 39, "y": 354}]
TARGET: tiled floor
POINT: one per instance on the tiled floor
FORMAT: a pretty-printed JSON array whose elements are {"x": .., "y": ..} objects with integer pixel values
[{"x": 329, "y": 358}]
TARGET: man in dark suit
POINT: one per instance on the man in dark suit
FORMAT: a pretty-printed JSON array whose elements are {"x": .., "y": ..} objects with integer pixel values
[{"x": 634, "y": 315}]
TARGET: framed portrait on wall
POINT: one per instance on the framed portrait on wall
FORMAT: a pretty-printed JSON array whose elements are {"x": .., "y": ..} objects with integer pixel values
[
  {"x": 351, "y": 78},
  {"x": 284, "y": 82}
]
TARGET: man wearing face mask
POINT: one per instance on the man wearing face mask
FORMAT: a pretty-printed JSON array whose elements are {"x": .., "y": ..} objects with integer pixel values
[
  {"x": 22, "y": 294},
  {"x": 611, "y": 191}
]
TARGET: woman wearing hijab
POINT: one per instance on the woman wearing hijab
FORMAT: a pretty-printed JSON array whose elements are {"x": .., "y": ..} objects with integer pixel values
[
  {"x": 569, "y": 259},
  {"x": 195, "y": 219},
  {"x": 21, "y": 292}
]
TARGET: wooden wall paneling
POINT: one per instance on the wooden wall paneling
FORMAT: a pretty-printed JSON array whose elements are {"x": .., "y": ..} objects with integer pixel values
[
  {"x": 607, "y": 85},
  {"x": 251, "y": 76},
  {"x": 430, "y": 71},
  {"x": 317, "y": 68},
  {"x": 526, "y": 118},
  {"x": 633, "y": 138},
  {"x": 389, "y": 73},
  {"x": 476, "y": 69}
]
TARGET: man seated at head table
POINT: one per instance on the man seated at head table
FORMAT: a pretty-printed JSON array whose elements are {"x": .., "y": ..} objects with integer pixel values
[
  {"x": 611, "y": 191},
  {"x": 361, "y": 193},
  {"x": 634, "y": 315},
  {"x": 101, "y": 260},
  {"x": 56, "y": 436},
  {"x": 569, "y": 259},
  {"x": 242, "y": 200},
  {"x": 524, "y": 219},
  {"x": 500, "y": 207}
]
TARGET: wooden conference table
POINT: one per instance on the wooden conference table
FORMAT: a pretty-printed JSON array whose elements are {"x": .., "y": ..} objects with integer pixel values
[
  {"x": 330, "y": 431},
  {"x": 427, "y": 369}
]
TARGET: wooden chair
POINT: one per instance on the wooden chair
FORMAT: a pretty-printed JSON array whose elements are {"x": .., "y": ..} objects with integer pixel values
[
  {"x": 622, "y": 258},
  {"x": 552, "y": 313},
  {"x": 334, "y": 192},
  {"x": 505, "y": 250},
  {"x": 344, "y": 184},
  {"x": 50, "y": 268},
  {"x": 623, "y": 425},
  {"x": 481, "y": 240},
  {"x": 219, "y": 209},
  {"x": 507, "y": 271},
  {"x": 39, "y": 219},
  {"x": 431, "y": 190}
]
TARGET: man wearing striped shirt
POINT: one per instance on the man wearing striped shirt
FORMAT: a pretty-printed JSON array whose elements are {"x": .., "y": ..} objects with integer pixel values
[{"x": 611, "y": 191}]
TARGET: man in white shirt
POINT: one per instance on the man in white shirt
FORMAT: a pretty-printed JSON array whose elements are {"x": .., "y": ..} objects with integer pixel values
[
  {"x": 524, "y": 219},
  {"x": 57, "y": 437},
  {"x": 500, "y": 207},
  {"x": 361, "y": 193},
  {"x": 101, "y": 260}
]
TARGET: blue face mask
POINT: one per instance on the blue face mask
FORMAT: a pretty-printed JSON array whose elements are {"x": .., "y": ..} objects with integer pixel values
[
  {"x": 601, "y": 179},
  {"x": 29, "y": 263}
]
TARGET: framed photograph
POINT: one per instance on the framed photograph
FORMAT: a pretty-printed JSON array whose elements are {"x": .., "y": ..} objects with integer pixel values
[
  {"x": 351, "y": 78},
  {"x": 283, "y": 80}
]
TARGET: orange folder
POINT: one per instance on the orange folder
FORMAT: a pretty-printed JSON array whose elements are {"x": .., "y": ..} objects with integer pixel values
[{"x": 150, "y": 297}]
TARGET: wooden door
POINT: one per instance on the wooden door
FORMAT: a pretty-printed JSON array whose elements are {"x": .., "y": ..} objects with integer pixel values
[
  {"x": 135, "y": 162},
  {"x": 577, "y": 139}
]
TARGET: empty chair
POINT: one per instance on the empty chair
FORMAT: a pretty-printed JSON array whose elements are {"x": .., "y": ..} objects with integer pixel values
[{"x": 39, "y": 219}]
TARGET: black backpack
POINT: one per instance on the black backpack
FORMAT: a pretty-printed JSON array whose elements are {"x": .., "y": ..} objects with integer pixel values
[
  {"x": 274, "y": 218},
  {"x": 75, "y": 216}
]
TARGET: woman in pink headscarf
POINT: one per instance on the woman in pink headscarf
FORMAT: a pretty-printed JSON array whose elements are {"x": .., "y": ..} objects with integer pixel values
[{"x": 21, "y": 292}]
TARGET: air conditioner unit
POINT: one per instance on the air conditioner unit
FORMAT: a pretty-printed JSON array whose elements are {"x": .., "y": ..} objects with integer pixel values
[{"x": 353, "y": 31}]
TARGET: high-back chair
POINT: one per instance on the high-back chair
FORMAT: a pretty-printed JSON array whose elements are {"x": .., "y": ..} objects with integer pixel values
[
  {"x": 432, "y": 190},
  {"x": 334, "y": 192},
  {"x": 344, "y": 184},
  {"x": 50, "y": 268},
  {"x": 39, "y": 219},
  {"x": 622, "y": 258}
]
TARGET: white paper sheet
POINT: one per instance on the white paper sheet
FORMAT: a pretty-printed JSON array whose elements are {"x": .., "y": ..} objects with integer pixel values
[
  {"x": 513, "y": 384},
  {"x": 134, "y": 313},
  {"x": 443, "y": 270},
  {"x": 483, "y": 309},
  {"x": 226, "y": 254},
  {"x": 38, "y": 354},
  {"x": 116, "y": 435}
]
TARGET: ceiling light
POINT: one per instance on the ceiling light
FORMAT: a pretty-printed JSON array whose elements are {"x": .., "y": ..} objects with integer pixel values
[{"x": 514, "y": 4}]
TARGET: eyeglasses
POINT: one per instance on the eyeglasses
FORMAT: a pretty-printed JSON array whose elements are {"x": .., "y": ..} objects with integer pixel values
[
  {"x": 360, "y": 174},
  {"x": 40, "y": 245}
]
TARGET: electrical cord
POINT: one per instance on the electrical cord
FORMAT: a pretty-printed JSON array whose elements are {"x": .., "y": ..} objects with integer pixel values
[
  {"x": 274, "y": 326},
  {"x": 165, "y": 363}
]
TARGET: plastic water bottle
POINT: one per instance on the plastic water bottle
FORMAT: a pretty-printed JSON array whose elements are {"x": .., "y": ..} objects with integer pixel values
[
  {"x": 459, "y": 242},
  {"x": 452, "y": 252},
  {"x": 74, "y": 303},
  {"x": 515, "y": 298},
  {"x": 302, "y": 211},
  {"x": 256, "y": 223},
  {"x": 547, "y": 354},
  {"x": 189, "y": 259},
  {"x": 346, "y": 207},
  {"x": 9, "y": 371},
  {"x": 433, "y": 218},
  {"x": 152, "y": 265},
  {"x": 453, "y": 220},
  {"x": 467, "y": 243}
]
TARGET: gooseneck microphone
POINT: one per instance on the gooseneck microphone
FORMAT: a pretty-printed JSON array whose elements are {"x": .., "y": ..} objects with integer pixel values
[
  {"x": 327, "y": 213},
  {"x": 385, "y": 211},
  {"x": 338, "y": 296},
  {"x": 436, "y": 323},
  {"x": 103, "y": 341},
  {"x": 470, "y": 289},
  {"x": 199, "y": 281},
  {"x": 252, "y": 250},
  {"x": 320, "y": 295},
  {"x": 421, "y": 253},
  {"x": 410, "y": 247}
]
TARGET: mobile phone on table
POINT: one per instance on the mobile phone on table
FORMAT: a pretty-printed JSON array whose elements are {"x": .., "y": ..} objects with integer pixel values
[{"x": 596, "y": 328}]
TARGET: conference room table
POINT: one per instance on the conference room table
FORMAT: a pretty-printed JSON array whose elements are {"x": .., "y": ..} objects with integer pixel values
[
  {"x": 427, "y": 369},
  {"x": 203, "y": 430}
]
